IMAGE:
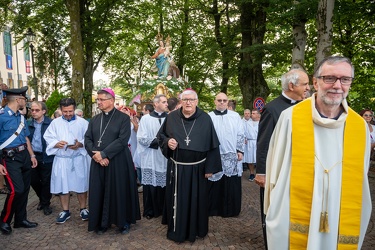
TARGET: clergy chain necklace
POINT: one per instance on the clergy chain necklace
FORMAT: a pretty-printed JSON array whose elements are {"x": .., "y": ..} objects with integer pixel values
[
  {"x": 324, "y": 226},
  {"x": 101, "y": 125},
  {"x": 187, "y": 140}
]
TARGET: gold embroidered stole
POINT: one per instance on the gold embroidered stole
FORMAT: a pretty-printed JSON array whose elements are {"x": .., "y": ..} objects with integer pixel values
[{"x": 302, "y": 177}]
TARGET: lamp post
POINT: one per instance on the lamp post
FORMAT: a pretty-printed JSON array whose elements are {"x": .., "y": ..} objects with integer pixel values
[{"x": 30, "y": 36}]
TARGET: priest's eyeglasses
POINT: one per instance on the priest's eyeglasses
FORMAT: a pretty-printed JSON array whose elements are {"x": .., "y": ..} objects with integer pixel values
[
  {"x": 189, "y": 100},
  {"x": 222, "y": 100},
  {"x": 102, "y": 99},
  {"x": 344, "y": 80}
]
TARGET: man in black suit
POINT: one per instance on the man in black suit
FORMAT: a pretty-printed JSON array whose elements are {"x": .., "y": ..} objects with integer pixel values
[{"x": 295, "y": 86}]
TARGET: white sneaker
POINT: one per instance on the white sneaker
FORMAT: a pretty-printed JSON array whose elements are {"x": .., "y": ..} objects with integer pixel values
[{"x": 84, "y": 214}]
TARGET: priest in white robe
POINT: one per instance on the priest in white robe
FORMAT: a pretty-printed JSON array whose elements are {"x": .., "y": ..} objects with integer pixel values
[
  {"x": 152, "y": 161},
  {"x": 225, "y": 191},
  {"x": 317, "y": 193}
]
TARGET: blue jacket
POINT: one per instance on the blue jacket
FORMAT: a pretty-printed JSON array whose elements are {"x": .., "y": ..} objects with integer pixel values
[{"x": 47, "y": 121}]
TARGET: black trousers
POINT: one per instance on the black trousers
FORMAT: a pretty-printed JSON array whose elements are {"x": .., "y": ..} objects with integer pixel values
[
  {"x": 18, "y": 180},
  {"x": 153, "y": 200},
  {"x": 41, "y": 181}
]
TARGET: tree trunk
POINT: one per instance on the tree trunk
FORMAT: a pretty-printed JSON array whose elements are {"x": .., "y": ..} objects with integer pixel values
[
  {"x": 324, "y": 26},
  {"x": 225, "y": 54},
  {"x": 183, "y": 42},
  {"x": 299, "y": 45},
  {"x": 253, "y": 28},
  {"x": 75, "y": 49},
  {"x": 89, "y": 83}
]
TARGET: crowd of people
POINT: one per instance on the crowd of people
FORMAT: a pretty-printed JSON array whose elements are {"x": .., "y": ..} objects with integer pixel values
[{"x": 310, "y": 157}]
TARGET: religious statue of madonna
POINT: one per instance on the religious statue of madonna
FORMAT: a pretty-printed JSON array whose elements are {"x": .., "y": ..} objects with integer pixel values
[{"x": 164, "y": 60}]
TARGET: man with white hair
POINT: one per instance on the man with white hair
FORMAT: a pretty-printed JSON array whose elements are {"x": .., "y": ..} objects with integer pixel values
[
  {"x": 295, "y": 85},
  {"x": 189, "y": 141},
  {"x": 79, "y": 112}
]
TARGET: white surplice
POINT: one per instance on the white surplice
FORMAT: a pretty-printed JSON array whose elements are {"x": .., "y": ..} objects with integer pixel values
[
  {"x": 70, "y": 169},
  {"x": 152, "y": 162},
  {"x": 329, "y": 149},
  {"x": 229, "y": 130},
  {"x": 251, "y": 134}
]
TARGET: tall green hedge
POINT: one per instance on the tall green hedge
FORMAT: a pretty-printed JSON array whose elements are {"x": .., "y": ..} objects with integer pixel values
[{"x": 53, "y": 102}]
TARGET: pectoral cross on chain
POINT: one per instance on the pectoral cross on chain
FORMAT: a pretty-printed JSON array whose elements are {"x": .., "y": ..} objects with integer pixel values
[
  {"x": 187, "y": 140},
  {"x": 99, "y": 142}
]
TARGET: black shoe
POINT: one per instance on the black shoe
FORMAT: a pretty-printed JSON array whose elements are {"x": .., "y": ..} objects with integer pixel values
[
  {"x": 252, "y": 177},
  {"x": 125, "y": 229},
  {"x": 149, "y": 217},
  {"x": 39, "y": 207},
  {"x": 25, "y": 224},
  {"x": 101, "y": 230},
  {"x": 47, "y": 210},
  {"x": 5, "y": 228}
]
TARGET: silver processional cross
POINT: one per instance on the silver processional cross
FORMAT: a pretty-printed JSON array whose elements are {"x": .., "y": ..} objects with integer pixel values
[{"x": 187, "y": 140}]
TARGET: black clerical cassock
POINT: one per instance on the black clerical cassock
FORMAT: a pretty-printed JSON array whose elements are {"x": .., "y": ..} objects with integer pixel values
[
  {"x": 113, "y": 195},
  {"x": 197, "y": 153}
]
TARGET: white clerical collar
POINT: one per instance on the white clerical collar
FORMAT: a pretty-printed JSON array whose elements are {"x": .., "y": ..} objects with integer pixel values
[
  {"x": 220, "y": 112},
  {"x": 159, "y": 113},
  {"x": 287, "y": 97},
  {"x": 107, "y": 113}
]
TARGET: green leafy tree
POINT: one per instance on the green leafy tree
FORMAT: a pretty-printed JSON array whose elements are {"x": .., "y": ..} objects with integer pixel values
[
  {"x": 241, "y": 47},
  {"x": 53, "y": 101},
  {"x": 353, "y": 37}
]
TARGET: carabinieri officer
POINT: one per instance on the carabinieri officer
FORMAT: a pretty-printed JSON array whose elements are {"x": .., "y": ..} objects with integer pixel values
[{"x": 16, "y": 160}]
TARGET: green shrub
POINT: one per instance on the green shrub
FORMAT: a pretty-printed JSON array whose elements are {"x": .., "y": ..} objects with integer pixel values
[{"x": 53, "y": 102}]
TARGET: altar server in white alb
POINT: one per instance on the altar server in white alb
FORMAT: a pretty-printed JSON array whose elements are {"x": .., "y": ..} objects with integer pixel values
[
  {"x": 317, "y": 194},
  {"x": 251, "y": 124},
  {"x": 70, "y": 169},
  {"x": 153, "y": 163},
  {"x": 225, "y": 187}
]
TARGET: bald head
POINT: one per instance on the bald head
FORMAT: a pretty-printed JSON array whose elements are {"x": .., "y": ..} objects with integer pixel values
[{"x": 221, "y": 101}]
